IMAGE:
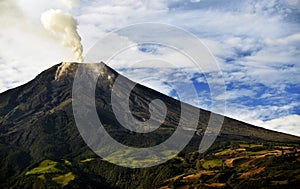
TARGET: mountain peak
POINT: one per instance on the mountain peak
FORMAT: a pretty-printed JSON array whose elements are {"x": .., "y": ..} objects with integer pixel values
[
  {"x": 68, "y": 69},
  {"x": 64, "y": 69}
]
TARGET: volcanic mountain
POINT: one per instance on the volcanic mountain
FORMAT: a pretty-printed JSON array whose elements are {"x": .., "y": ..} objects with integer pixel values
[{"x": 41, "y": 147}]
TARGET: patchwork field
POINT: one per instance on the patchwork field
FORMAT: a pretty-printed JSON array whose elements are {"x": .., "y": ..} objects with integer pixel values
[{"x": 247, "y": 166}]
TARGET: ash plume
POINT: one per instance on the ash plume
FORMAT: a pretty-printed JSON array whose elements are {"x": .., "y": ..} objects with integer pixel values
[{"x": 64, "y": 27}]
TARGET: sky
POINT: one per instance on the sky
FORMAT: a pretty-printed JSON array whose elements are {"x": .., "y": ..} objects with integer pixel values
[{"x": 255, "y": 42}]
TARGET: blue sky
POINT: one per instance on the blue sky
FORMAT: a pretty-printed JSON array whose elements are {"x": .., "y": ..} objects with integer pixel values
[{"x": 256, "y": 44}]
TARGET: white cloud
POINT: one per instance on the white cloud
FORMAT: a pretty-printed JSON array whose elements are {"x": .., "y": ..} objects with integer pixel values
[
  {"x": 278, "y": 117},
  {"x": 293, "y": 4},
  {"x": 293, "y": 38},
  {"x": 71, "y": 3},
  {"x": 287, "y": 124},
  {"x": 239, "y": 93}
]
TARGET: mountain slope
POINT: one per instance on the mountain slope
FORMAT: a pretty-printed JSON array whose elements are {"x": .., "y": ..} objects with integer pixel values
[{"x": 37, "y": 125}]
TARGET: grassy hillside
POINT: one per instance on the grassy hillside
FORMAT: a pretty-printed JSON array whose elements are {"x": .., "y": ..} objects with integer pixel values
[
  {"x": 242, "y": 166},
  {"x": 235, "y": 164}
]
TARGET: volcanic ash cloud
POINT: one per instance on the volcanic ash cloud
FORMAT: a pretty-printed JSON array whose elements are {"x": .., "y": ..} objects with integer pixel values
[{"x": 63, "y": 26}]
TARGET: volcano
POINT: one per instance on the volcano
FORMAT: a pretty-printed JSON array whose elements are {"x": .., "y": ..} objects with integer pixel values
[{"x": 41, "y": 147}]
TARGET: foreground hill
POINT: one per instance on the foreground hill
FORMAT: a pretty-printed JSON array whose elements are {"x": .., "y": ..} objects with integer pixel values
[{"x": 40, "y": 146}]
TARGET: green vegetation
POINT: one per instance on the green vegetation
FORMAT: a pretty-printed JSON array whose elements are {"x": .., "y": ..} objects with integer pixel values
[
  {"x": 225, "y": 165},
  {"x": 232, "y": 168},
  {"x": 211, "y": 164},
  {"x": 281, "y": 182},
  {"x": 87, "y": 160},
  {"x": 262, "y": 152},
  {"x": 125, "y": 157},
  {"x": 42, "y": 177},
  {"x": 67, "y": 162},
  {"x": 55, "y": 171},
  {"x": 264, "y": 166},
  {"x": 64, "y": 179},
  {"x": 47, "y": 166},
  {"x": 225, "y": 152}
]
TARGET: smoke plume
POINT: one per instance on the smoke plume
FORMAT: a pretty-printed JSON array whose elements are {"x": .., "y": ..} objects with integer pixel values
[{"x": 64, "y": 26}]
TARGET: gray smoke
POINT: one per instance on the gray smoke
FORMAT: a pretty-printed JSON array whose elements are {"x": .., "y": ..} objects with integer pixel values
[{"x": 64, "y": 26}]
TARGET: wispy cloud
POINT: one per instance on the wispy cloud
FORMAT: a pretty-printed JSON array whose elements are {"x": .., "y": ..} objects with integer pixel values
[{"x": 287, "y": 124}]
